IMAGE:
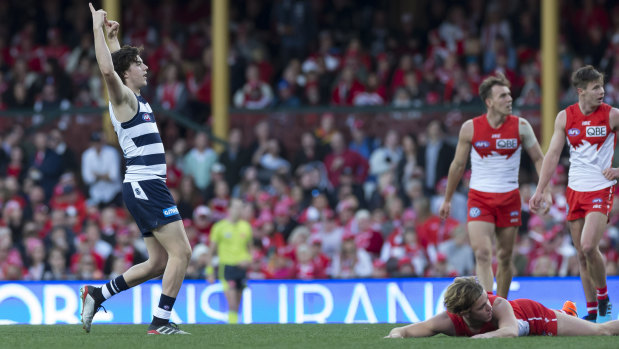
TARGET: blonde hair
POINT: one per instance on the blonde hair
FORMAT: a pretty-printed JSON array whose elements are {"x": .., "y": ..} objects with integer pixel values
[{"x": 462, "y": 294}]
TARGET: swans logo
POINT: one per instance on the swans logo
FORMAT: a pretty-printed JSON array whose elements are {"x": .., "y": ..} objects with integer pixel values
[{"x": 474, "y": 212}]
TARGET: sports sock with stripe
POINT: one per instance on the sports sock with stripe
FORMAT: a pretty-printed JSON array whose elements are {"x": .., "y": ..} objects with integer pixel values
[
  {"x": 592, "y": 308},
  {"x": 161, "y": 315},
  {"x": 113, "y": 287},
  {"x": 602, "y": 293}
]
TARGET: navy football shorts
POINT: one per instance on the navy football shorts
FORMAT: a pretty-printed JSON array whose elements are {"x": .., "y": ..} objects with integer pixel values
[{"x": 151, "y": 204}]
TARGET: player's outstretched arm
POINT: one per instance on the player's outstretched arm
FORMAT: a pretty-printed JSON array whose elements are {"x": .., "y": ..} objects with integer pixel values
[
  {"x": 550, "y": 161},
  {"x": 116, "y": 89},
  {"x": 531, "y": 145},
  {"x": 440, "y": 323},
  {"x": 111, "y": 28},
  {"x": 612, "y": 173},
  {"x": 508, "y": 325},
  {"x": 458, "y": 165}
]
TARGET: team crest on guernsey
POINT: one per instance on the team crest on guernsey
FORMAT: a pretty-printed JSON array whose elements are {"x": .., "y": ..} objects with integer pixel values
[
  {"x": 474, "y": 212},
  {"x": 146, "y": 117}
]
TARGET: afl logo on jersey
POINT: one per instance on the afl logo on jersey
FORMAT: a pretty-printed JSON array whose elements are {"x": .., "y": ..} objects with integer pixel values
[
  {"x": 596, "y": 131},
  {"x": 146, "y": 117},
  {"x": 573, "y": 132},
  {"x": 474, "y": 212},
  {"x": 482, "y": 144},
  {"x": 597, "y": 201}
]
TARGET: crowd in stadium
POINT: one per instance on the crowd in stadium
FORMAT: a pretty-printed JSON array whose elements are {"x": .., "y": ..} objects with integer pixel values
[{"x": 346, "y": 203}]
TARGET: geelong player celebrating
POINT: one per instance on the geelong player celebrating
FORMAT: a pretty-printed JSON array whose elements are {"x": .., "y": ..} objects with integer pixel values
[
  {"x": 589, "y": 127},
  {"x": 471, "y": 312},
  {"x": 495, "y": 141},
  {"x": 144, "y": 189}
]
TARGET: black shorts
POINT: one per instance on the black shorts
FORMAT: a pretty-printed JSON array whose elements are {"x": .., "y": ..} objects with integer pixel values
[
  {"x": 151, "y": 204},
  {"x": 236, "y": 277}
]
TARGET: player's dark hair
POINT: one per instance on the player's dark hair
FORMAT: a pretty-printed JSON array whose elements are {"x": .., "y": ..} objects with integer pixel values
[
  {"x": 485, "y": 89},
  {"x": 583, "y": 76},
  {"x": 462, "y": 294},
  {"x": 123, "y": 58}
]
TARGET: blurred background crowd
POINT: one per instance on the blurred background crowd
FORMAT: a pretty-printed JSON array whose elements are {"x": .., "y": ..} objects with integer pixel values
[{"x": 342, "y": 202}]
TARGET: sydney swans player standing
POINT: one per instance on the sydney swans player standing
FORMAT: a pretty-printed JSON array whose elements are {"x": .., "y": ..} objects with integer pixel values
[
  {"x": 495, "y": 141},
  {"x": 589, "y": 127},
  {"x": 144, "y": 188}
]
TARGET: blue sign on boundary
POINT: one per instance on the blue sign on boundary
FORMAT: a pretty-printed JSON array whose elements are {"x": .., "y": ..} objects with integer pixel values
[{"x": 271, "y": 301}]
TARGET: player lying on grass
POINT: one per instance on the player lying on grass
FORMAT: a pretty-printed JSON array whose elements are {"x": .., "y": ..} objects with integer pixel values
[{"x": 473, "y": 313}]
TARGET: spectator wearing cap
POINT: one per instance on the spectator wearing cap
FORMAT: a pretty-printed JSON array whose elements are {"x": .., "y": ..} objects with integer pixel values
[
  {"x": 202, "y": 221},
  {"x": 234, "y": 158},
  {"x": 199, "y": 161},
  {"x": 35, "y": 259},
  {"x": 45, "y": 165},
  {"x": 366, "y": 237},
  {"x": 361, "y": 142},
  {"x": 286, "y": 97},
  {"x": 441, "y": 268},
  {"x": 11, "y": 263},
  {"x": 340, "y": 157},
  {"x": 101, "y": 172},
  {"x": 350, "y": 261},
  {"x": 283, "y": 221},
  {"x": 319, "y": 258},
  {"x": 218, "y": 174}
]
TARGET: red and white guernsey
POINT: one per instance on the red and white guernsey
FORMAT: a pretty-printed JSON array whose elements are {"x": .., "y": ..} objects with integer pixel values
[
  {"x": 592, "y": 145},
  {"x": 495, "y": 155}
]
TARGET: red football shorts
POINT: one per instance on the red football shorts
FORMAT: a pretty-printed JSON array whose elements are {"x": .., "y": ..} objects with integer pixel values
[
  {"x": 580, "y": 203},
  {"x": 501, "y": 209},
  {"x": 542, "y": 321}
]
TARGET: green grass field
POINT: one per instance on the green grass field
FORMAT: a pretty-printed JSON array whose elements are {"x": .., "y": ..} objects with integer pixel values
[{"x": 266, "y": 336}]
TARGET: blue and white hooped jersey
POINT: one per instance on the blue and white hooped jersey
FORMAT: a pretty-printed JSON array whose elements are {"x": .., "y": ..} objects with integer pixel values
[{"x": 141, "y": 144}]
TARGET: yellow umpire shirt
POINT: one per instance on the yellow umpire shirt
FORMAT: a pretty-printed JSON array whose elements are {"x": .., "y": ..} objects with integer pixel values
[{"x": 233, "y": 241}]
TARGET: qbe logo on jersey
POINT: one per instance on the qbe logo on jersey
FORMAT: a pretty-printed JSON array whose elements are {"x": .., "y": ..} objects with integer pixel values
[
  {"x": 596, "y": 131},
  {"x": 508, "y": 143}
]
